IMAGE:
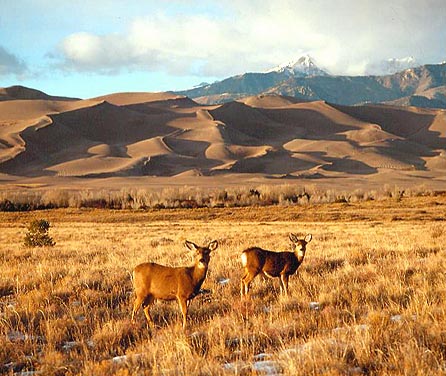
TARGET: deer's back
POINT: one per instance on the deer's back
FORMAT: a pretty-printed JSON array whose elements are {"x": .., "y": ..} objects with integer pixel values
[
  {"x": 162, "y": 282},
  {"x": 271, "y": 263}
]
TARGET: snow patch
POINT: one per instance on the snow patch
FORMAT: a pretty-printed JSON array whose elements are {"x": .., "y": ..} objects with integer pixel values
[
  {"x": 302, "y": 67},
  {"x": 223, "y": 281},
  {"x": 126, "y": 358},
  {"x": 267, "y": 367}
]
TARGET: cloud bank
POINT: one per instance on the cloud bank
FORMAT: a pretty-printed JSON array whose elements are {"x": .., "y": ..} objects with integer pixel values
[
  {"x": 11, "y": 64},
  {"x": 346, "y": 37}
]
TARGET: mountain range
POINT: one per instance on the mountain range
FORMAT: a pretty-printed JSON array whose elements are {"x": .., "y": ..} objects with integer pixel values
[
  {"x": 267, "y": 136},
  {"x": 423, "y": 86}
]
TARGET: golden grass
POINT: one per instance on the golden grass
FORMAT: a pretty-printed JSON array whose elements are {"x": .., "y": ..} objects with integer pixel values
[{"x": 368, "y": 299}]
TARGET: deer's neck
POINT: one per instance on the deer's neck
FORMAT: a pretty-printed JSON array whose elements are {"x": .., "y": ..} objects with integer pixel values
[
  {"x": 199, "y": 272},
  {"x": 300, "y": 254}
]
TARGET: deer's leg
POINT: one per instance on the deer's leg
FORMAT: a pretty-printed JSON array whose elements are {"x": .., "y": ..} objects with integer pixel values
[
  {"x": 146, "y": 306},
  {"x": 246, "y": 281},
  {"x": 284, "y": 283},
  {"x": 136, "y": 305},
  {"x": 242, "y": 286},
  {"x": 183, "y": 306}
]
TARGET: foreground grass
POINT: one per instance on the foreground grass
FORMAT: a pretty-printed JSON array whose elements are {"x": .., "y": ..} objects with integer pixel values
[{"x": 369, "y": 298}]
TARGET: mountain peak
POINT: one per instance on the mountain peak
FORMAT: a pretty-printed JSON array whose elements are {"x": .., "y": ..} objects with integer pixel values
[
  {"x": 303, "y": 66},
  {"x": 306, "y": 61}
]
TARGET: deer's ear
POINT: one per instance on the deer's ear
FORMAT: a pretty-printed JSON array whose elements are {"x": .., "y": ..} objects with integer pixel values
[
  {"x": 190, "y": 245},
  {"x": 213, "y": 245},
  {"x": 294, "y": 238},
  {"x": 308, "y": 238}
]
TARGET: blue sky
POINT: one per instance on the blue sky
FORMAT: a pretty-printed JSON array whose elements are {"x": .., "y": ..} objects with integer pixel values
[{"x": 89, "y": 48}]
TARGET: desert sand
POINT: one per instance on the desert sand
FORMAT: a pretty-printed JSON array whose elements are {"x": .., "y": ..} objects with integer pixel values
[{"x": 139, "y": 139}]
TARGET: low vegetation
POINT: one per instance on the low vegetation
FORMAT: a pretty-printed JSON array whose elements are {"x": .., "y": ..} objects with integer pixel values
[
  {"x": 368, "y": 298},
  {"x": 196, "y": 197},
  {"x": 37, "y": 234}
]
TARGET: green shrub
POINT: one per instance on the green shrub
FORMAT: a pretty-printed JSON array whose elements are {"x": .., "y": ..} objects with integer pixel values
[{"x": 37, "y": 235}]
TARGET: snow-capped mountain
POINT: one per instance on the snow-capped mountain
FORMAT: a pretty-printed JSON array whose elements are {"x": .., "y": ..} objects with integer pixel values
[
  {"x": 423, "y": 86},
  {"x": 253, "y": 83},
  {"x": 302, "y": 67}
]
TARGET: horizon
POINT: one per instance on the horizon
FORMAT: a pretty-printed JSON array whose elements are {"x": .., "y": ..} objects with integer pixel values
[
  {"x": 279, "y": 67},
  {"x": 110, "y": 47}
]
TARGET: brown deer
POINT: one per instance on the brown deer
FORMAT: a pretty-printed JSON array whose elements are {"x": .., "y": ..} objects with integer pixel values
[
  {"x": 153, "y": 281},
  {"x": 273, "y": 264}
]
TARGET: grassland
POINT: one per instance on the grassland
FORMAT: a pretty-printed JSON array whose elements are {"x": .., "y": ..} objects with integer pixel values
[{"x": 368, "y": 299}]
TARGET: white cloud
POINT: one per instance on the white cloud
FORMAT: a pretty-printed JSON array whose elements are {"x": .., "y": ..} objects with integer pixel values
[
  {"x": 345, "y": 38},
  {"x": 89, "y": 52},
  {"x": 390, "y": 66}
]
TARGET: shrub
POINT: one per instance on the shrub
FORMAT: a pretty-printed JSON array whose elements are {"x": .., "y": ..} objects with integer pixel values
[{"x": 37, "y": 235}]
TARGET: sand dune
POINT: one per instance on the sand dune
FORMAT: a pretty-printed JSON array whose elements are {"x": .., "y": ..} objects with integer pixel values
[
  {"x": 95, "y": 165},
  {"x": 175, "y": 105},
  {"x": 400, "y": 121},
  {"x": 163, "y": 134},
  {"x": 121, "y": 99},
  {"x": 113, "y": 124},
  {"x": 170, "y": 165},
  {"x": 247, "y": 120},
  {"x": 195, "y": 172},
  {"x": 21, "y": 92},
  {"x": 437, "y": 162},
  {"x": 232, "y": 153},
  {"x": 185, "y": 147},
  {"x": 269, "y": 101},
  {"x": 148, "y": 148},
  {"x": 272, "y": 162},
  {"x": 424, "y": 126},
  {"x": 29, "y": 109}
]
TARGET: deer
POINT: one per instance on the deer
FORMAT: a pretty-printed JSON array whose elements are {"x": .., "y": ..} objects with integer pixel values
[
  {"x": 281, "y": 265},
  {"x": 153, "y": 281}
]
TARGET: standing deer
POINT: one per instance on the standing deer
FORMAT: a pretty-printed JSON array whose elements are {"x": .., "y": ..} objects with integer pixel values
[
  {"x": 153, "y": 281},
  {"x": 273, "y": 264}
]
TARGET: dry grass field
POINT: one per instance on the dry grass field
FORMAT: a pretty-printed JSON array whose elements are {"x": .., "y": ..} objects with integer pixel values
[{"x": 368, "y": 299}]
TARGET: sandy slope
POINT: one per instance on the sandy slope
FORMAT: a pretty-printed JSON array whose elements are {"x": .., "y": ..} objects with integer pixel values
[
  {"x": 121, "y": 99},
  {"x": 269, "y": 101},
  {"x": 22, "y": 92},
  {"x": 163, "y": 134},
  {"x": 28, "y": 109}
]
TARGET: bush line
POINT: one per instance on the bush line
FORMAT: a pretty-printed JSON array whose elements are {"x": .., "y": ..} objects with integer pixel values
[{"x": 195, "y": 197}]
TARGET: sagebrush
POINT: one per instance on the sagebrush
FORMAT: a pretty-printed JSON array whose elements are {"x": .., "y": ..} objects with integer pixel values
[
  {"x": 196, "y": 197},
  {"x": 37, "y": 234}
]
